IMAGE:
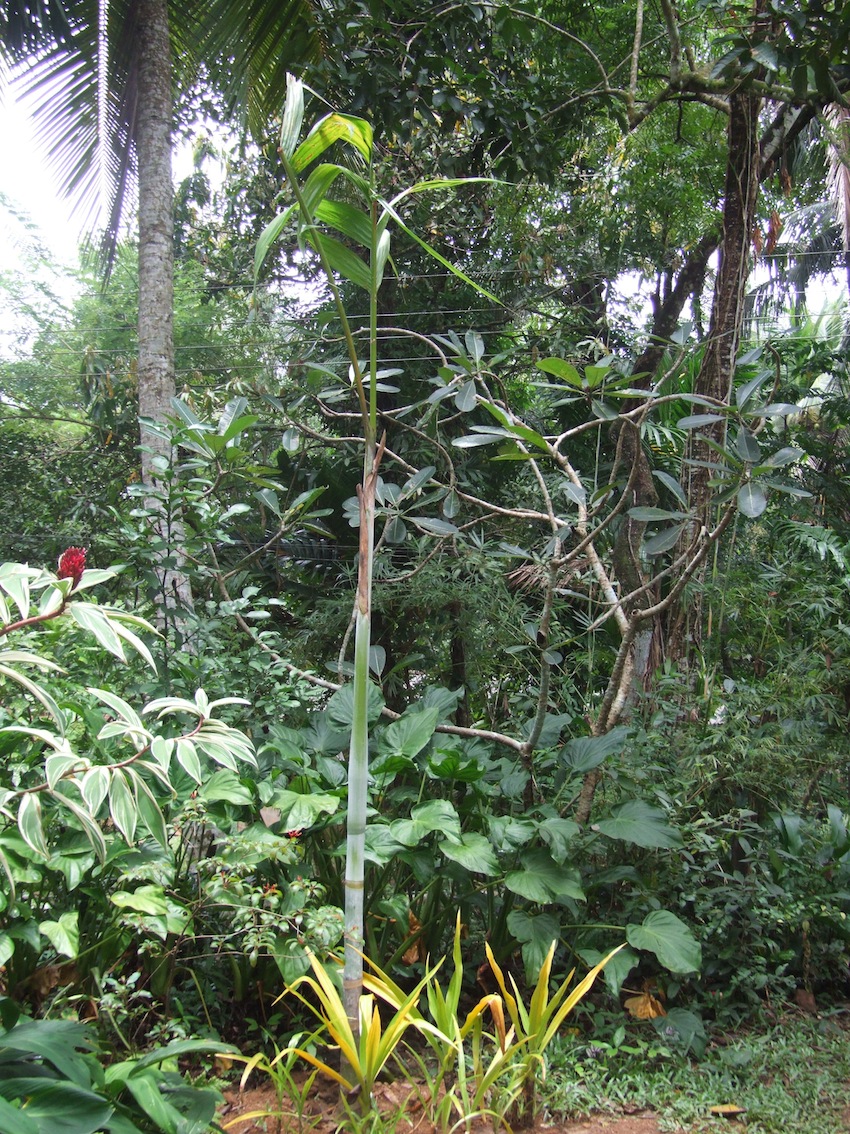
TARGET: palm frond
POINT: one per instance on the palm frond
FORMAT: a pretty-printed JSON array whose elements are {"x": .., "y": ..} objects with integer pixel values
[
  {"x": 838, "y": 173},
  {"x": 249, "y": 48},
  {"x": 28, "y": 26}
]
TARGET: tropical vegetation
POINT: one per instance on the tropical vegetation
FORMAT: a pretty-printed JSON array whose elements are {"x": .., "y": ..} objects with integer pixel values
[{"x": 453, "y": 671}]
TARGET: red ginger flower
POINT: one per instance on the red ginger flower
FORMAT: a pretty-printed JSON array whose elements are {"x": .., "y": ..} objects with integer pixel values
[{"x": 72, "y": 563}]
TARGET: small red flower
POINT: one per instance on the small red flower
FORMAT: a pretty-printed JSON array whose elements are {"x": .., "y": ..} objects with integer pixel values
[
  {"x": 72, "y": 563},
  {"x": 295, "y": 834}
]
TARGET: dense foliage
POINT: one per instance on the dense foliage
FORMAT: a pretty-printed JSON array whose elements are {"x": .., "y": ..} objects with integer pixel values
[{"x": 480, "y": 457}]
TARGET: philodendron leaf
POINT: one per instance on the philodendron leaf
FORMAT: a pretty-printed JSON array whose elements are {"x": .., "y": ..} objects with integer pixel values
[
  {"x": 536, "y": 934},
  {"x": 409, "y": 735},
  {"x": 638, "y": 822},
  {"x": 300, "y": 811},
  {"x": 584, "y": 753},
  {"x": 541, "y": 879},
  {"x": 473, "y": 852},
  {"x": 64, "y": 934},
  {"x": 340, "y": 708},
  {"x": 617, "y": 969},
  {"x": 667, "y": 936},
  {"x": 437, "y": 815}
]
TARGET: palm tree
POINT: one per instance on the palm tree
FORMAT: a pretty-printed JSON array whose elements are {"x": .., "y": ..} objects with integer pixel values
[{"x": 106, "y": 83}]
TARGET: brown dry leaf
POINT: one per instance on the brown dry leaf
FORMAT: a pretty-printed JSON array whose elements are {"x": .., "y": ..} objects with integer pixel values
[
  {"x": 416, "y": 952},
  {"x": 644, "y": 1006},
  {"x": 773, "y": 232},
  {"x": 45, "y": 979}
]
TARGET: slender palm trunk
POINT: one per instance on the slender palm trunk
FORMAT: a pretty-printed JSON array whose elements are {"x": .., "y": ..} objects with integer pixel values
[{"x": 156, "y": 285}]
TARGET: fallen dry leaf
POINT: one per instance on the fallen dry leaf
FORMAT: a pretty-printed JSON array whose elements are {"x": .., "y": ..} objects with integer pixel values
[{"x": 644, "y": 1006}]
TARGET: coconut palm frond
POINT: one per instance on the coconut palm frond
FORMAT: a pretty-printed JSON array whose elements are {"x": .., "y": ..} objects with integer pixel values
[
  {"x": 84, "y": 86},
  {"x": 838, "y": 173},
  {"x": 250, "y": 47},
  {"x": 30, "y": 27}
]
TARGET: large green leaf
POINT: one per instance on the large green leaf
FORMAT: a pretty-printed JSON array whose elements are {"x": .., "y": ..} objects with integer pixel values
[
  {"x": 340, "y": 708},
  {"x": 563, "y": 370},
  {"x": 472, "y": 851},
  {"x": 583, "y": 753},
  {"x": 437, "y": 815},
  {"x": 638, "y": 822},
  {"x": 541, "y": 879},
  {"x": 334, "y": 128},
  {"x": 343, "y": 260},
  {"x": 667, "y": 936},
  {"x": 57, "y": 1041},
  {"x": 64, "y": 934},
  {"x": 225, "y": 786},
  {"x": 59, "y": 1107},
  {"x": 535, "y": 932},
  {"x": 15, "y": 1121},
  {"x": 752, "y": 500},
  {"x": 409, "y": 735},
  {"x": 300, "y": 811},
  {"x": 351, "y": 222}
]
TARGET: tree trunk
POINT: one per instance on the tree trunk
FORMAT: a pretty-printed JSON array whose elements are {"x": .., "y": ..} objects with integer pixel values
[
  {"x": 156, "y": 291},
  {"x": 717, "y": 372}
]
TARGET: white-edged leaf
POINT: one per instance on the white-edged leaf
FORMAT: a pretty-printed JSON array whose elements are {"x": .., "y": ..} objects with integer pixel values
[
  {"x": 133, "y": 640},
  {"x": 122, "y": 806},
  {"x": 119, "y": 706},
  {"x": 187, "y": 758},
  {"x": 149, "y": 809},
  {"x": 94, "y": 787},
  {"x": 293, "y": 116},
  {"x": 161, "y": 749},
  {"x": 15, "y": 581},
  {"x": 93, "y": 619},
  {"x": 37, "y": 691},
  {"x": 91, "y": 830},
  {"x": 29, "y": 823},
  {"x": 58, "y": 764}
]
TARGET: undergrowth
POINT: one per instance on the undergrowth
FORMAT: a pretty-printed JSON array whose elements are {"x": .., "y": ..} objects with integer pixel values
[{"x": 793, "y": 1077}]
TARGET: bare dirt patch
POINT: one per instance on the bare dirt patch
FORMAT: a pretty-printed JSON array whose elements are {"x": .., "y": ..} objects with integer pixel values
[{"x": 256, "y": 1111}]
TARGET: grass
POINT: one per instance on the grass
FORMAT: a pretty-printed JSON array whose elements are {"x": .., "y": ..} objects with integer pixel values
[{"x": 794, "y": 1076}]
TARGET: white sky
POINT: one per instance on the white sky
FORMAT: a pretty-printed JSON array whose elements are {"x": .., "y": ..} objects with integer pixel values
[{"x": 25, "y": 180}]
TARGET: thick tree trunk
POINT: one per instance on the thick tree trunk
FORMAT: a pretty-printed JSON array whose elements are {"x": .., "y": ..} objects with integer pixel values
[
  {"x": 717, "y": 372},
  {"x": 716, "y": 375},
  {"x": 156, "y": 287}
]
